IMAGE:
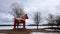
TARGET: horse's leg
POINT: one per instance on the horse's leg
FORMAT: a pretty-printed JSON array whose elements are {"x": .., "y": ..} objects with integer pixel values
[
  {"x": 17, "y": 24},
  {"x": 24, "y": 24}
]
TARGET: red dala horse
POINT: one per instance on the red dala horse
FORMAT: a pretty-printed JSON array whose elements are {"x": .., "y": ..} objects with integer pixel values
[{"x": 21, "y": 20}]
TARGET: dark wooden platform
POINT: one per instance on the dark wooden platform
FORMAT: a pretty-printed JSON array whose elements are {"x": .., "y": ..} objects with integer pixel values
[
  {"x": 19, "y": 29},
  {"x": 26, "y": 31}
]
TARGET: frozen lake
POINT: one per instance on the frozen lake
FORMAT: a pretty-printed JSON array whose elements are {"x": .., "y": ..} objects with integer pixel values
[{"x": 27, "y": 27}]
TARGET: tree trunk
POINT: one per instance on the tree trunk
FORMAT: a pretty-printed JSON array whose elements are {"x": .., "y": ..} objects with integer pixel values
[
  {"x": 57, "y": 26},
  {"x": 37, "y": 26}
]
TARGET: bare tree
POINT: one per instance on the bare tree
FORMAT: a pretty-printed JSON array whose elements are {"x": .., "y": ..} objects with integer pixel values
[
  {"x": 37, "y": 18},
  {"x": 51, "y": 20},
  {"x": 17, "y": 11},
  {"x": 57, "y": 21}
]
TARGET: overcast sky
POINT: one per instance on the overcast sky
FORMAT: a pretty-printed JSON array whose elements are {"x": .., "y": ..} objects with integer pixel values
[{"x": 30, "y": 6}]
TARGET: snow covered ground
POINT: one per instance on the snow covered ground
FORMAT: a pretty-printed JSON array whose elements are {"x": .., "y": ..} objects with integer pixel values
[{"x": 43, "y": 33}]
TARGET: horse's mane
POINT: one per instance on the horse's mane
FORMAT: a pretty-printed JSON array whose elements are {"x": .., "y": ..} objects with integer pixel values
[{"x": 22, "y": 17}]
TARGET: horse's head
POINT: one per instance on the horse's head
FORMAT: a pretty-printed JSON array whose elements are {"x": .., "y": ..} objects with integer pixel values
[{"x": 26, "y": 16}]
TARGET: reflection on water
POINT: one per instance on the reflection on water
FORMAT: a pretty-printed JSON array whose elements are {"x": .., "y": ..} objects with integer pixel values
[{"x": 43, "y": 33}]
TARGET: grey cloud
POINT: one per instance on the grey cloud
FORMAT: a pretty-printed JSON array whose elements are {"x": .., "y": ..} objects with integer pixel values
[{"x": 44, "y": 6}]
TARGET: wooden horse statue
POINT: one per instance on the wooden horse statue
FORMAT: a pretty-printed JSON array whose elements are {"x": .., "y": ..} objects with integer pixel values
[{"x": 20, "y": 20}]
